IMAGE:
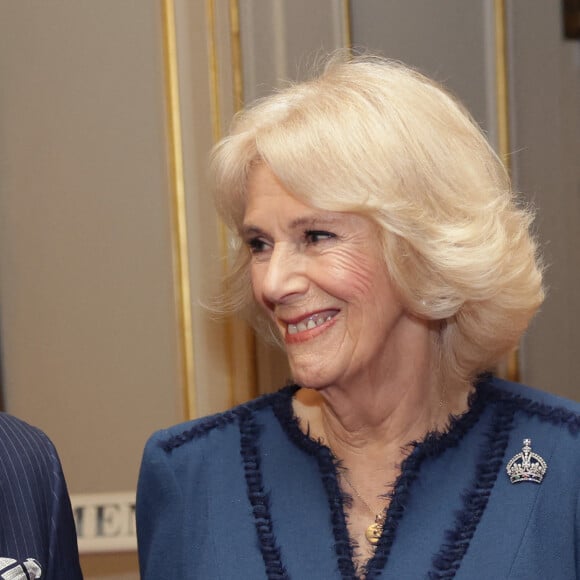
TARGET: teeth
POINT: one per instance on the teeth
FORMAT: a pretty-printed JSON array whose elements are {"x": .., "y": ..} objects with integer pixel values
[{"x": 312, "y": 322}]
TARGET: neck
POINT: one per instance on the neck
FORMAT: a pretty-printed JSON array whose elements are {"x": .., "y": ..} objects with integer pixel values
[
  {"x": 378, "y": 419},
  {"x": 353, "y": 421}
]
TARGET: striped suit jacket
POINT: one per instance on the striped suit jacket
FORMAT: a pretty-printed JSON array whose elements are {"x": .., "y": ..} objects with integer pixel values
[{"x": 37, "y": 531}]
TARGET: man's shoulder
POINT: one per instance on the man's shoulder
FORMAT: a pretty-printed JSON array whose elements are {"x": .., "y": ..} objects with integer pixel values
[
  {"x": 27, "y": 442},
  {"x": 9, "y": 425}
]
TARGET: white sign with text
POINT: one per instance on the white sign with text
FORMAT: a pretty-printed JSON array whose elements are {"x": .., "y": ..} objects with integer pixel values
[{"x": 105, "y": 522}]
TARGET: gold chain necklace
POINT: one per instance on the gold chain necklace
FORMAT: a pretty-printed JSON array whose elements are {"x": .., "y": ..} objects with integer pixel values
[{"x": 375, "y": 530}]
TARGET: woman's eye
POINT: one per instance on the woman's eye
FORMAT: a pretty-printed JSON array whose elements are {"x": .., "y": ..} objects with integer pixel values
[
  {"x": 315, "y": 236},
  {"x": 256, "y": 245}
]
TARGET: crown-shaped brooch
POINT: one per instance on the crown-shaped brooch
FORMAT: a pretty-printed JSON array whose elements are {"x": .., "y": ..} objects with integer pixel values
[{"x": 526, "y": 466}]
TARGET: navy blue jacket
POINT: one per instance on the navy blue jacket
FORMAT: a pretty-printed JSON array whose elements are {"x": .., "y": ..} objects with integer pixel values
[
  {"x": 37, "y": 529},
  {"x": 245, "y": 494}
]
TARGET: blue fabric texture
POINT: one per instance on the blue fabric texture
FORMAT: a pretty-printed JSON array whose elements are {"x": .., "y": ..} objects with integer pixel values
[
  {"x": 36, "y": 522},
  {"x": 246, "y": 494}
]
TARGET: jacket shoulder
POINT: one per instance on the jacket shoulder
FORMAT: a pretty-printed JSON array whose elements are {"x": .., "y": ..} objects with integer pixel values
[
  {"x": 547, "y": 407},
  {"x": 194, "y": 430},
  {"x": 11, "y": 426},
  {"x": 25, "y": 440}
]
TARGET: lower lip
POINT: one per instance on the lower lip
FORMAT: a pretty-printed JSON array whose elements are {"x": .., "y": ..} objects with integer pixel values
[{"x": 308, "y": 334}]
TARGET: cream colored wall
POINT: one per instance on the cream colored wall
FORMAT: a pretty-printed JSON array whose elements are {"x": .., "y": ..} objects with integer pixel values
[
  {"x": 545, "y": 88},
  {"x": 89, "y": 340},
  {"x": 88, "y": 316},
  {"x": 446, "y": 40}
]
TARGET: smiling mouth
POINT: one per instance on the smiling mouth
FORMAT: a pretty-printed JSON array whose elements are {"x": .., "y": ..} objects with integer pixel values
[{"x": 311, "y": 322}]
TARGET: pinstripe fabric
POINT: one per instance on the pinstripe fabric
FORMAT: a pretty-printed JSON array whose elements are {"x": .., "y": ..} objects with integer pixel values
[{"x": 35, "y": 513}]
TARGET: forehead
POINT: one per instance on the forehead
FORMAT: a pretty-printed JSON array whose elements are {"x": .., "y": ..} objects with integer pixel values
[
  {"x": 269, "y": 205},
  {"x": 263, "y": 183},
  {"x": 266, "y": 194},
  {"x": 267, "y": 197}
]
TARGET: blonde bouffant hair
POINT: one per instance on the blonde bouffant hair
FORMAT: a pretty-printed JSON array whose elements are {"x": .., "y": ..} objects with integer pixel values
[{"x": 373, "y": 137}]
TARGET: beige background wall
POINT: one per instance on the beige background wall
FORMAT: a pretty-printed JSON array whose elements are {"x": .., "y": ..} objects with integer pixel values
[
  {"x": 545, "y": 89},
  {"x": 91, "y": 325},
  {"x": 88, "y": 317}
]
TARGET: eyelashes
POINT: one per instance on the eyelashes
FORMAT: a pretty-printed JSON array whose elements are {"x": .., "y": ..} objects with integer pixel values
[
  {"x": 260, "y": 244},
  {"x": 256, "y": 245},
  {"x": 316, "y": 236}
]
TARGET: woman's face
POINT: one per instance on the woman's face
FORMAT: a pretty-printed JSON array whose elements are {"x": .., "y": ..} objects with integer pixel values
[{"x": 322, "y": 279}]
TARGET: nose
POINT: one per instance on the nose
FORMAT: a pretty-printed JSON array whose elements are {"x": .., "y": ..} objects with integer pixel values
[{"x": 284, "y": 275}]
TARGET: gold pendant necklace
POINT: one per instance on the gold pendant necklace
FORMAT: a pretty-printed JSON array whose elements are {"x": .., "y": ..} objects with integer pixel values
[{"x": 375, "y": 530}]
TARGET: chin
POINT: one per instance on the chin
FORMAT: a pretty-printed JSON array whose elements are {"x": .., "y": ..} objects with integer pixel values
[
  {"x": 309, "y": 380},
  {"x": 316, "y": 367}
]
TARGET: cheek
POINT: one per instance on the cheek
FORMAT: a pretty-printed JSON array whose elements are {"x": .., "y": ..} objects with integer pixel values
[
  {"x": 357, "y": 274},
  {"x": 256, "y": 280}
]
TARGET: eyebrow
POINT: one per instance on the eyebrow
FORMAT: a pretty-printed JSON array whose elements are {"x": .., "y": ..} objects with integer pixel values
[
  {"x": 314, "y": 220},
  {"x": 248, "y": 230}
]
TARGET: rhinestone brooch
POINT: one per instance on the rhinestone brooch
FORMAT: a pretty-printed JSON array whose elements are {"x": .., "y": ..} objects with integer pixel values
[{"x": 526, "y": 466}]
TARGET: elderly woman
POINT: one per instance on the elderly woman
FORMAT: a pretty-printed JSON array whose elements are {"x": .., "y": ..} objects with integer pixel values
[{"x": 382, "y": 245}]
